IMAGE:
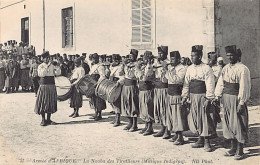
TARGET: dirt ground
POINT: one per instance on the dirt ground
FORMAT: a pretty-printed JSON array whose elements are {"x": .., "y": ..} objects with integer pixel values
[{"x": 84, "y": 141}]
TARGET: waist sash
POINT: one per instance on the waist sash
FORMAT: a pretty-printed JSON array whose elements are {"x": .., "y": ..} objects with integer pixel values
[
  {"x": 145, "y": 85},
  {"x": 129, "y": 82},
  {"x": 174, "y": 89},
  {"x": 231, "y": 88},
  {"x": 158, "y": 84},
  {"x": 197, "y": 86},
  {"x": 47, "y": 80}
]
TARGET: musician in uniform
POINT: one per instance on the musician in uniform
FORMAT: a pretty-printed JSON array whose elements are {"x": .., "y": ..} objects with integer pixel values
[
  {"x": 160, "y": 92},
  {"x": 117, "y": 71},
  {"x": 233, "y": 88},
  {"x": 46, "y": 101},
  {"x": 176, "y": 113},
  {"x": 199, "y": 85},
  {"x": 2, "y": 73},
  {"x": 97, "y": 71},
  {"x": 212, "y": 61},
  {"x": 25, "y": 68},
  {"x": 144, "y": 74},
  {"x": 76, "y": 97},
  {"x": 129, "y": 94}
]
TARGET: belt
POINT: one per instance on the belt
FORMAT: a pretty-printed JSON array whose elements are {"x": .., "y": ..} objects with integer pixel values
[
  {"x": 231, "y": 88},
  {"x": 174, "y": 89},
  {"x": 48, "y": 80},
  {"x": 145, "y": 85},
  {"x": 197, "y": 86}
]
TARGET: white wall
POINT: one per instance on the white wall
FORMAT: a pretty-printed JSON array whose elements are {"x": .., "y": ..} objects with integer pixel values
[{"x": 104, "y": 26}]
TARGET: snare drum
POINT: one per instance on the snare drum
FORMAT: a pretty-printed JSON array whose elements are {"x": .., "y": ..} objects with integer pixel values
[
  {"x": 86, "y": 86},
  {"x": 108, "y": 90},
  {"x": 63, "y": 87}
]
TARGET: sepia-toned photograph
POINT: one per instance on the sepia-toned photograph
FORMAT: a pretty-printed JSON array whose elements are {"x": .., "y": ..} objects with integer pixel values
[{"x": 129, "y": 82}]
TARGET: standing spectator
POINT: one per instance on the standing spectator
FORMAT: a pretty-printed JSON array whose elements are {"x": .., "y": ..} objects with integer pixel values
[
  {"x": 2, "y": 73},
  {"x": 20, "y": 49},
  {"x": 85, "y": 65},
  {"x": 25, "y": 69},
  {"x": 64, "y": 68},
  {"x": 16, "y": 75},
  {"x": 11, "y": 74},
  {"x": 34, "y": 74}
]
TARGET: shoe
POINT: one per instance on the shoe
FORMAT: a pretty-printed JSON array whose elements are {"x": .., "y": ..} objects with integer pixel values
[
  {"x": 149, "y": 130},
  {"x": 144, "y": 129},
  {"x": 174, "y": 138},
  {"x": 146, "y": 133},
  {"x": 239, "y": 152},
  {"x": 49, "y": 122},
  {"x": 117, "y": 121},
  {"x": 98, "y": 118},
  {"x": 233, "y": 148},
  {"x": 167, "y": 134},
  {"x": 133, "y": 129},
  {"x": 179, "y": 140},
  {"x": 207, "y": 146},
  {"x": 199, "y": 143},
  {"x": 43, "y": 123},
  {"x": 161, "y": 132},
  {"x": 130, "y": 123},
  {"x": 75, "y": 115}
]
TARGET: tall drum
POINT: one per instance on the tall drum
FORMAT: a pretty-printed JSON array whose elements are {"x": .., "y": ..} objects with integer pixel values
[
  {"x": 108, "y": 90},
  {"x": 86, "y": 86},
  {"x": 63, "y": 87}
]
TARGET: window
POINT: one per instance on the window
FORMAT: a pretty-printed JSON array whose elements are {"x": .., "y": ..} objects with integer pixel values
[
  {"x": 141, "y": 22},
  {"x": 25, "y": 30},
  {"x": 67, "y": 28}
]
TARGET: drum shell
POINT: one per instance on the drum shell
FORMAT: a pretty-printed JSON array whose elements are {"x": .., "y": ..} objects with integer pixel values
[
  {"x": 108, "y": 90},
  {"x": 86, "y": 86}
]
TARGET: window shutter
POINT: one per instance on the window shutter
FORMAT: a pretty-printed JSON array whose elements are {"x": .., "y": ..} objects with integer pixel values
[
  {"x": 135, "y": 17},
  {"x": 136, "y": 31},
  {"x": 146, "y": 3},
  {"x": 146, "y": 34},
  {"x": 135, "y": 4},
  {"x": 146, "y": 16}
]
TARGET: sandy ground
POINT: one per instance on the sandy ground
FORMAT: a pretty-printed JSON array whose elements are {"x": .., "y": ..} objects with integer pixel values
[{"x": 84, "y": 141}]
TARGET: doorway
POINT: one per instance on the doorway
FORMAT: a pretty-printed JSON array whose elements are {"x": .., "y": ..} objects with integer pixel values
[{"x": 25, "y": 30}]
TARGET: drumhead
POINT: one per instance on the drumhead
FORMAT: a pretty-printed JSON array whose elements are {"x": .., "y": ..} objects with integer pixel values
[
  {"x": 114, "y": 93},
  {"x": 63, "y": 87}
]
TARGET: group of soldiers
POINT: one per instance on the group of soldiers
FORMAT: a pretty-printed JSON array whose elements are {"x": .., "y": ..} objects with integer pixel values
[{"x": 180, "y": 97}]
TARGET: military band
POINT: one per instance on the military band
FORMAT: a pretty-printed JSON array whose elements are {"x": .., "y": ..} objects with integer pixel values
[{"x": 178, "y": 93}]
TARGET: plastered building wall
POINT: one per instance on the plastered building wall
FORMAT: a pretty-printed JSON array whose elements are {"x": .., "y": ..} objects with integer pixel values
[{"x": 238, "y": 23}]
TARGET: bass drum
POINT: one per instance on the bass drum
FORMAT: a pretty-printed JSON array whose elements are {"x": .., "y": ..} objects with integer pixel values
[
  {"x": 63, "y": 87},
  {"x": 86, "y": 86},
  {"x": 108, "y": 90}
]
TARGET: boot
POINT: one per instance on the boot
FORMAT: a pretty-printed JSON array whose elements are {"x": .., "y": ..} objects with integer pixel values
[
  {"x": 167, "y": 134},
  {"x": 144, "y": 129},
  {"x": 130, "y": 123},
  {"x": 207, "y": 146},
  {"x": 113, "y": 122},
  {"x": 76, "y": 114},
  {"x": 134, "y": 126},
  {"x": 174, "y": 138},
  {"x": 233, "y": 148},
  {"x": 73, "y": 113},
  {"x": 49, "y": 122},
  {"x": 149, "y": 130},
  {"x": 179, "y": 140},
  {"x": 199, "y": 143},
  {"x": 161, "y": 132},
  {"x": 99, "y": 116},
  {"x": 43, "y": 123},
  {"x": 95, "y": 116},
  {"x": 13, "y": 91},
  {"x": 117, "y": 122},
  {"x": 239, "y": 153}
]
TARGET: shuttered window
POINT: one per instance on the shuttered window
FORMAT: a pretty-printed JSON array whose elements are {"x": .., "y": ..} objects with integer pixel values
[
  {"x": 141, "y": 22},
  {"x": 67, "y": 27}
]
